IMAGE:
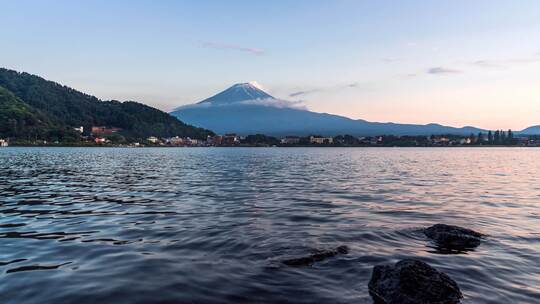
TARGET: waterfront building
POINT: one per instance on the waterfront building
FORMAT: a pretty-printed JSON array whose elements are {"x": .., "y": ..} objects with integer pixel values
[
  {"x": 153, "y": 139},
  {"x": 320, "y": 140},
  {"x": 175, "y": 141},
  {"x": 290, "y": 140}
]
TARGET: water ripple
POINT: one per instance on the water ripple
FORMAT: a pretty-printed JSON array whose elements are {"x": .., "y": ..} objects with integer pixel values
[{"x": 213, "y": 225}]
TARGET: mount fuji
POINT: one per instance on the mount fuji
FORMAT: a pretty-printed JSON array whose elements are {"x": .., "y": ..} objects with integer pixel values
[{"x": 246, "y": 109}]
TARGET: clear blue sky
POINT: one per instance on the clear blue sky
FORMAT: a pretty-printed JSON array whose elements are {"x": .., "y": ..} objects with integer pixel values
[{"x": 452, "y": 62}]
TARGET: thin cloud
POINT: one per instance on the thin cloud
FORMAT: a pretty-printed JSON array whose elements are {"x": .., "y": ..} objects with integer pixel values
[
  {"x": 487, "y": 64},
  {"x": 269, "y": 102},
  {"x": 390, "y": 60},
  {"x": 407, "y": 76},
  {"x": 524, "y": 60},
  {"x": 506, "y": 62},
  {"x": 442, "y": 71},
  {"x": 223, "y": 46},
  {"x": 351, "y": 85},
  {"x": 300, "y": 93},
  {"x": 277, "y": 103}
]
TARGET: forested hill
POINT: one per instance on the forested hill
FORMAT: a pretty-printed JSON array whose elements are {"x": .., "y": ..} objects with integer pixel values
[
  {"x": 20, "y": 121},
  {"x": 61, "y": 107}
]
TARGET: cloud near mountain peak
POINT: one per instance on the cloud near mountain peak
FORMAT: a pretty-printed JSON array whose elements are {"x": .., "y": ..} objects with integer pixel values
[{"x": 442, "y": 71}]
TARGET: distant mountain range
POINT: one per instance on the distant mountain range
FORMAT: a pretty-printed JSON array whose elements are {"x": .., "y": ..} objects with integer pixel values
[
  {"x": 245, "y": 109},
  {"x": 34, "y": 108},
  {"x": 534, "y": 130}
]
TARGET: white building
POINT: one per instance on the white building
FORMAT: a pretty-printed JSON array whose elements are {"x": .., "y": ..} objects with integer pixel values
[
  {"x": 193, "y": 142},
  {"x": 153, "y": 139},
  {"x": 290, "y": 140},
  {"x": 321, "y": 140},
  {"x": 175, "y": 141},
  {"x": 3, "y": 143}
]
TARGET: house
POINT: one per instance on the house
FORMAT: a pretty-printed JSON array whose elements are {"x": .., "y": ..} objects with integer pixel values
[
  {"x": 104, "y": 130},
  {"x": 153, "y": 139},
  {"x": 100, "y": 140},
  {"x": 193, "y": 142},
  {"x": 533, "y": 143},
  {"x": 79, "y": 129},
  {"x": 320, "y": 140},
  {"x": 175, "y": 141},
  {"x": 214, "y": 140},
  {"x": 465, "y": 141},
  {"x": 290, "y": 140},
  {"x": 3, "y": 143},
  {"x": 375, "y": 140},
  {"x": 222, "y": 140},
  {"x": 442, "y": 141},
  {"x": 230, "y": 139}
]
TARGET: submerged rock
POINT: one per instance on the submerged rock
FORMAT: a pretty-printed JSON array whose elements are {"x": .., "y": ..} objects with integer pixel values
[
  {"x": 453, "y": 237},
  {"x": 316, "y": 257},
  {"x": 412, "y": 282}
]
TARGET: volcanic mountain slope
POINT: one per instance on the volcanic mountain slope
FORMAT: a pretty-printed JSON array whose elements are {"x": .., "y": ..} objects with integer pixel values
[
  {"x": 245, "y": 109},
  {"x": 533, "y": 130}
]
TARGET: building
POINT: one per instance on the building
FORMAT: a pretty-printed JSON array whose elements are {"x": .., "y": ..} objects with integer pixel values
[
  {"x": 100, "y": 140},
  {"x": 3, "y": 143},
  {"x": 79, "y": 129},
  {"x": 223, "y": 140},
  {"x": 290, "y": 140},
  {"x": 214, "y": 140},
  {"x": 175, "y": 141},
  {"x": 153, "y": 139},
  {"x": 230, "y": 139},
  {"x": 441, "y": 141},
  {"x": 104, "y": 130},
  {"x": 320, "y": 140},
  {"x": 465, "y": 141},
  {"x": 193, "y": 142}
]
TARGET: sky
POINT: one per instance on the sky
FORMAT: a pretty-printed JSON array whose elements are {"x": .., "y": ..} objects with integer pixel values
[{"x": 455, "y": 62}]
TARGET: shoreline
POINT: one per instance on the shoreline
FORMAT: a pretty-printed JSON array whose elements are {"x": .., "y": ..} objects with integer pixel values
[{"x": 277, "y": 146}]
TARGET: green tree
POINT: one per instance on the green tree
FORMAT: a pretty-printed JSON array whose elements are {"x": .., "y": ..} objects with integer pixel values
[
  {"x": 497, "y": 137},
  {"x": 65, "y": 108},
  {"x": 510, "y": 137}
]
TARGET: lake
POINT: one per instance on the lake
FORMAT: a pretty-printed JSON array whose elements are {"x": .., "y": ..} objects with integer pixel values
[{"x": 213, "y": 225}]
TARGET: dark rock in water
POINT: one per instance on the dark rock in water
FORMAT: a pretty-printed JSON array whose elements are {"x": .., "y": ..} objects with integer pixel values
[
  {"x": 316, "y": 257},
  {"x": 453, "y": 237},
  {"x": 412, "y": 282}
]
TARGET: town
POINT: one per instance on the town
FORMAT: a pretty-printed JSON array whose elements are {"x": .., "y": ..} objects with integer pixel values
[{"x": 111, "y": 137}]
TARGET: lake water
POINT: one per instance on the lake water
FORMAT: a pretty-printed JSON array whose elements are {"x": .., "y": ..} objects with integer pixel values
[{"x": 212, "y": 225}]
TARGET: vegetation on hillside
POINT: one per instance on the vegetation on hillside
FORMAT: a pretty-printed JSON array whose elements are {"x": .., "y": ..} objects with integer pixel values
[
  {"x": 62, "y": 108},
  {"x": 23, "y": 123}
]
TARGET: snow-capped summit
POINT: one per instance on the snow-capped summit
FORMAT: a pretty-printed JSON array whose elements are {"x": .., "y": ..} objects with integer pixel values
[
  {"x": 246, "y": 109},
  {"x": 238, "y": 92}
]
